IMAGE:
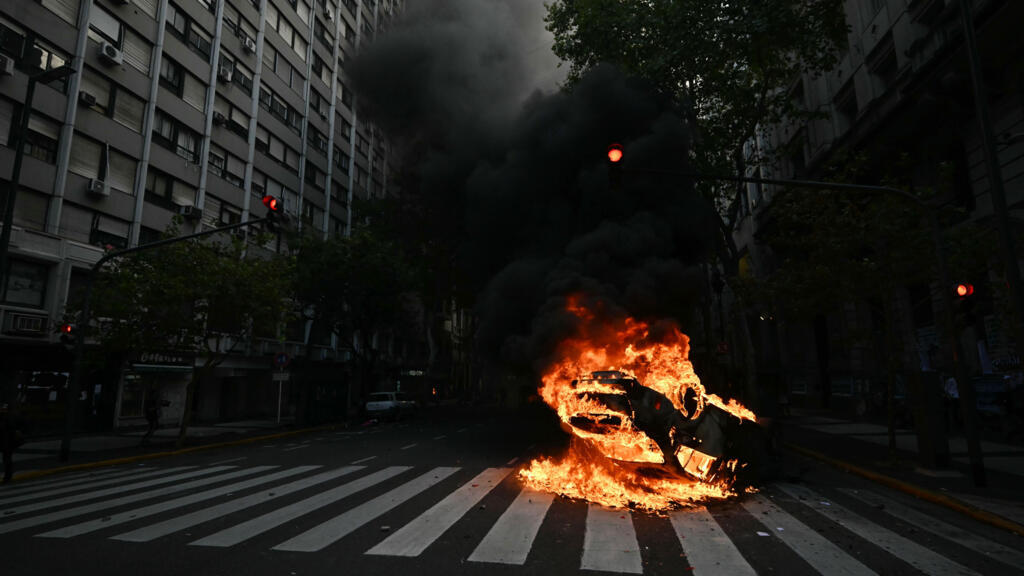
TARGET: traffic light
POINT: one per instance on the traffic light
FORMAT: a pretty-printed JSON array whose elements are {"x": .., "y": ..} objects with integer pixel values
[
  {"x": 964, "y": 293},
  {"x": 68, "y": 335},
  {"x": 615, "y": 155},
  {"x": 277, "y": 220}
]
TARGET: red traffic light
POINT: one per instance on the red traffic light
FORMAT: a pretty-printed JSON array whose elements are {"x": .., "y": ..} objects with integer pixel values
[
  {"x": 66, "y": 328},
  {"x": 271, "y": 203},
  {"x": 615, "y": 153},
  {"x": 964, "y": 290}
]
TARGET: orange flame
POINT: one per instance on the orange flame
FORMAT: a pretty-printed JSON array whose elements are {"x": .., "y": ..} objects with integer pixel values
[{"x": 616, "y": 465}]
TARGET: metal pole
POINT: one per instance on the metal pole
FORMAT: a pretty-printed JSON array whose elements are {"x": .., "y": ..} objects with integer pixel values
[
  {"x": 995, "y": 176},
  {"x": 74, "y": 385}
]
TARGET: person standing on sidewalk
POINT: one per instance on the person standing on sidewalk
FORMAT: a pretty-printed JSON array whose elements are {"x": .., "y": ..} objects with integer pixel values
[
  {"x": 152, "y": 412},
  {"x": 952, "y": 396},
  {"x": 10, "y": 439}
]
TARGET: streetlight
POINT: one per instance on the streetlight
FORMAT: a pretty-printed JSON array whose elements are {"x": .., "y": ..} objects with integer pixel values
[{"x": 45, "y": 76}]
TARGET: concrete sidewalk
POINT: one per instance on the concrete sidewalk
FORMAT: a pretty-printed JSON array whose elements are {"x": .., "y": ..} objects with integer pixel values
[
  {"x": 865, "y": 445},
  {"x": 42, "y": 454}
]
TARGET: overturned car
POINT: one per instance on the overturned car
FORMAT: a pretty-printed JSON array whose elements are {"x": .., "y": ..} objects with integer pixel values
[{"x": 681, "y": 431}]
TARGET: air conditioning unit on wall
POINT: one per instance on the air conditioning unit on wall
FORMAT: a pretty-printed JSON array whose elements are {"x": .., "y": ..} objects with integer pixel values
[
  {"x": 98, "y": 187},
  {"x": 6, "y": 65},
  {"x": 110, "y": 54},
  {"x": 219, "y": 118},
  {"x": 86, "y": 99},
  {"x": 225, "y": 73},
  {"x": 250, "y": 45},
  {"x": 191, "y": 212}
]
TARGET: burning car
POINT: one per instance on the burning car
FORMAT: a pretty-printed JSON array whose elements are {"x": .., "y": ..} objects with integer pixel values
[
  {"x": 694, "y": 437},
  {"x": 644, "y": 431}
]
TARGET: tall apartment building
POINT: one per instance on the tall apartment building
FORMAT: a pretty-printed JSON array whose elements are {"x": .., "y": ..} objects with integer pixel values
[
  {"x": 190, "y": 107},
  {"x": 902, "y": 86}
]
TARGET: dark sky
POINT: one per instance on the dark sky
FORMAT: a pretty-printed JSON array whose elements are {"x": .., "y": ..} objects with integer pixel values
[{"x": 523, "y": 170}]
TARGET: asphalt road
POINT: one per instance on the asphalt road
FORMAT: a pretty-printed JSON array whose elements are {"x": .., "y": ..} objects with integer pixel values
[{"x": 438, "y": 495}]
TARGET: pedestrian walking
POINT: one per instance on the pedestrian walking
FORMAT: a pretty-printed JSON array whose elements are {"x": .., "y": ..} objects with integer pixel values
[
  {"x": 10, "y": 440},
  {"x": 152, "y": 412},
  {"x": 952, "y": 397}
]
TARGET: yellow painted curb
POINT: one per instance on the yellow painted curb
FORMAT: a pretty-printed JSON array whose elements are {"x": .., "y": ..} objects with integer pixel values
[
  {"x": 916, "y": 491},
  {"x": 128, "y": 459}
]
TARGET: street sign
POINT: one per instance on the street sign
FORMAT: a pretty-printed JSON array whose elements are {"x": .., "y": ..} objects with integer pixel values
[
  {"x": 280, "y": 376},
  {"x": 281, "y": 360}
]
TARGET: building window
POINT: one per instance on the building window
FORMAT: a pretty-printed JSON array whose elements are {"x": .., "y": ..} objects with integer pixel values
[
  {"x": 846, "y": 106},
  {"x": 26, "y": 283},
  {"x": 174, "y": 136},
  {"x": 41, "y": 139},
  {"x": 111, "y": 100},
  {"x": 883, "y": 65},
  {"x": 362, "y": 144},
  {"x": 165, "y": 191},
  {"x": 341, "y": 160},
  {"x": 171, "y": 76},
  {"x": 316, "y": 139},
  {"x": 180, "y": 25}
]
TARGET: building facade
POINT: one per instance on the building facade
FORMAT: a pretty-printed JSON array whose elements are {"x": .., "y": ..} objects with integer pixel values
[
  {"x": 177, "y": 107},
  {"x": 902, "y": 88}
]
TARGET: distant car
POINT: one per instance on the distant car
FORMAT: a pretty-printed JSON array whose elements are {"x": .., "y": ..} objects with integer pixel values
[{"x": 393, "y": 405}]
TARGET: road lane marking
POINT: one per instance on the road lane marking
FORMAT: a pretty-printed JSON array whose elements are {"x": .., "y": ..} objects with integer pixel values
[
  {"x": 822, "y": 555},
  {"x": 367, "y": 459},
  {"x": 299, "y": 447},
  {"x": 441, "y": 437},
  {"x": 907, "y": 550},
  {"x": 270, "y": 520},
  {"x": 609, "y": 543},
  {"x": 512, "y": 461},
  {"x": 708, "y": 549},
  {"x": 96, "y": 494},
  {"x": 413, "y": 538},
  {"x": 159, "y": 507},
  {"x": 409, "y": 446},
  {"x": 229, "y": 461},
  {"x": 35, "y": 492},
  {"x": 338, "y": 527},
  {"x": 510, "y": 539},
  {"x": 993, "y": 550},
  {"x": 130, "y": 499},
  {"x": 462, "y": 429},
  {"x": 179, "y": 523}
]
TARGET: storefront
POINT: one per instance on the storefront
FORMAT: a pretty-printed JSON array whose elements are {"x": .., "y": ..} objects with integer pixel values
[{"x": 164, "y": 374}]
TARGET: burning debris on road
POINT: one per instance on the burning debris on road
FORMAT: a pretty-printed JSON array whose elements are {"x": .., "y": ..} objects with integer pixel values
[{"x": 646, "y": 434}]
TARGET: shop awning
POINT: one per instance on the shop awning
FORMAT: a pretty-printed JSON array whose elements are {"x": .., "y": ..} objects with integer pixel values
[{"x": 160, "y": 368}]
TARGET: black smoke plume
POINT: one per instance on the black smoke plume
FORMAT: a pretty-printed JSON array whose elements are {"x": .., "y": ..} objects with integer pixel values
[{"x": 534, "y": 214}]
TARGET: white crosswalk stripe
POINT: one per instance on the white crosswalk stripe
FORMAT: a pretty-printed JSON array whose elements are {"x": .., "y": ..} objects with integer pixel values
[
  {"x": 177, "y": 523},
  {"x": 994, "y": 550},
  {"x": 414, "y": 537},
  {"x": 708, "y": 549},
  {"x": 610, "y": 544},
  {"x": 511, "y": 538},
  {"x": 78, "y": 485},
  {"x": 105, "y": 504},
  {"x": 245, "y": 499},
  {"x": 909, "y": 551},
  {"x": 48, "y": 483},
  {"x": 335, "y": 529},
  {"x": 24, "y": 508},
  {"x": 822, "y": 555},
  {"x": 152, "y": 509},
  {"x": 270, "y": 520}
]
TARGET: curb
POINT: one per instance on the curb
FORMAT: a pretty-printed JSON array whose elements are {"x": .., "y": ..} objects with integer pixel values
[
  {"x": 152, "y": 456},
  {"x": 916, "y": 491}
]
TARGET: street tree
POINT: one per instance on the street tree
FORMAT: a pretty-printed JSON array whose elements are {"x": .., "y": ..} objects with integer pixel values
[
  {"x": 201, "y": 298},
  {"x": 829, "y": 248},
  {"x": 357, "y": 286},
  {"x": 733, "y": 65}
]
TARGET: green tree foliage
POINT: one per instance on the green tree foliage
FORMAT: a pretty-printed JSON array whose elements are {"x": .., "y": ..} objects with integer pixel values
[
  {"x": 733, "y": 62},
  {"x": 197, "y": 297},
  {"x": 356, "y": 286}
]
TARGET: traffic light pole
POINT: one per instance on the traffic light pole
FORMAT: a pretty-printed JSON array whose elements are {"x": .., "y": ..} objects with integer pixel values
[
  {"x": 74, "y": 385},
  {"x": 965, "y": 387}
]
